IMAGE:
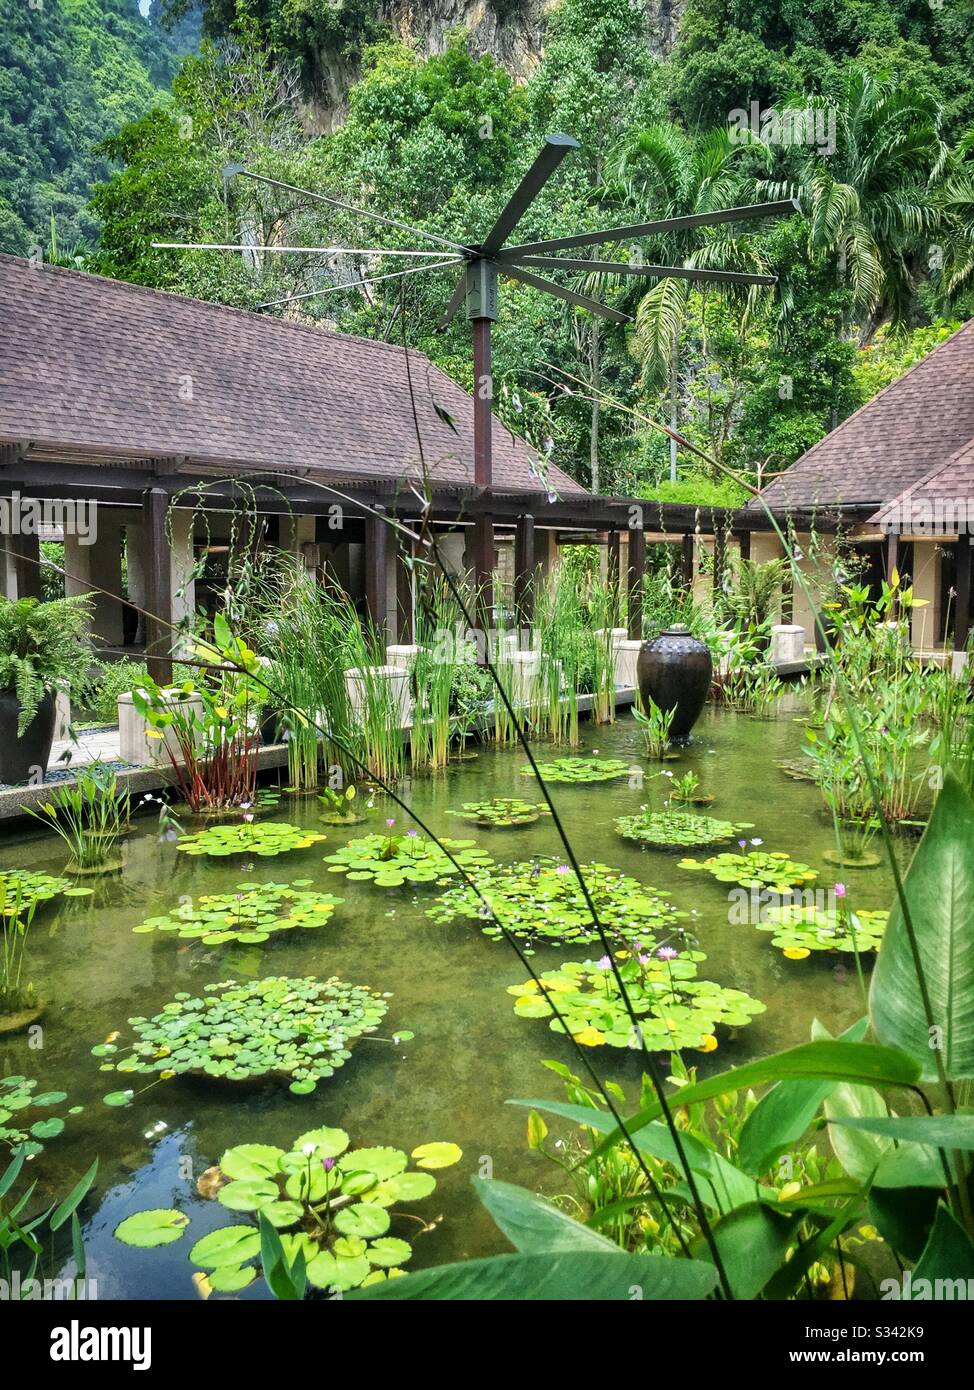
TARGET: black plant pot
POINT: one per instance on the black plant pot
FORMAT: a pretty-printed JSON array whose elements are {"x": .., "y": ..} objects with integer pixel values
[
  {"x": 20, "y": 756},
  {"x": 674, "y": 671}
]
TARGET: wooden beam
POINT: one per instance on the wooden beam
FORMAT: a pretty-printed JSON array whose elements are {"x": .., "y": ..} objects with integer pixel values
[
  {"x": 158, "y": 584},
  {"x": 377, "y": 570},
  {"x": 637, "y": 568},
  {"x": 525, "y": 571}
]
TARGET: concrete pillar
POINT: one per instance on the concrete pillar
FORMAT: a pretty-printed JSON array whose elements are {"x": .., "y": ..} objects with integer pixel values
[
  {"x": 925, "y": 620},
  {"x": 99, "y": 564},
  {"x": 296, "y": 535},
  {"x": 138, "y": 585},
  {"x": 183, "y": 564}
]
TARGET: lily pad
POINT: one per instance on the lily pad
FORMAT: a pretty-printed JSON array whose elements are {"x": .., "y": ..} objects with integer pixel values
[{"x": 147, "y": 1229}]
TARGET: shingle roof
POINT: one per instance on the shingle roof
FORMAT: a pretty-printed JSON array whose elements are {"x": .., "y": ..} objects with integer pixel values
[
  {"x": 937, "y": 492},
  {"x": 95, "y": 369},
  {"x": 912, "y": 426}
]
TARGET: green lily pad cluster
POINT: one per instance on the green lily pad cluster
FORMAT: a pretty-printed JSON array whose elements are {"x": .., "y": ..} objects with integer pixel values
[
  {"x": 23, "y": 889},
  {"x": 581, "y": 770},
  {"x": 389, "y": 861},
  {"x": 755, "y": 869},
  {"x": 266, "y": 839},
  {"x": 502, "y": 811},
  {"x": 800, "y": 929},
  {"x": 673, "y": 1008},
  {"x": 542, "y": 900},
  {"x": 19, "y": 1097},
  {"x": 333, "y": 1202},
  {"x": 252, "y": 914},
  {"x": 295, "y": 1029},
  {"x": 682, "y": 829}
]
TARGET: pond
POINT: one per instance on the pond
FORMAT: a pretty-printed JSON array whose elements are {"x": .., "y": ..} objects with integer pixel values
[{"x": 470, "y": 1053}]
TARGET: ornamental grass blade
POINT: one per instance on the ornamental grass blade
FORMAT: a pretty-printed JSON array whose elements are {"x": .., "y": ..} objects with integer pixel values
[{"x": 939, "y": 889}]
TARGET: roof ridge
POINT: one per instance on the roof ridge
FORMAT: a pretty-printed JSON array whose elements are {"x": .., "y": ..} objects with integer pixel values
[{"x": 136, "y": 288}]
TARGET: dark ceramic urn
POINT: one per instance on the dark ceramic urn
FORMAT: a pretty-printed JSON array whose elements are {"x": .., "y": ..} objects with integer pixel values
[
  {"x": 674, "y": 671},
  {"x": 22, "y": 754}
]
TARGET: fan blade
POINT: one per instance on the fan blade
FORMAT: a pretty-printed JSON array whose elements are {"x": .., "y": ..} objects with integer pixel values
[
  {"x": 668, "y": 224},
  {"x": 552, "y": 153},
  {"x": 456, "y": 299},
  {"x": 659, "y": 272},
  {"x": 560, "y": 292}
]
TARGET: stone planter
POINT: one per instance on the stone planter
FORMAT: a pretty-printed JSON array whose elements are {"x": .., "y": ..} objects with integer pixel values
[
  {"x": 674, "y": 672},
  {"x": 627, "y": 662},
  {"x": 25, "y": 756},
  {"x": 134, "y": 744},
  {"x": 787, "y": 643},
  {"x": 402, "y": 657},
  {"x": 360, "y": 687},
  {"x": 524, "y": 676}
]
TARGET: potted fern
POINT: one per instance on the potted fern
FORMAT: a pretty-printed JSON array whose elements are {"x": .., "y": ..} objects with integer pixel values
[{"x": 42, "y": 646}]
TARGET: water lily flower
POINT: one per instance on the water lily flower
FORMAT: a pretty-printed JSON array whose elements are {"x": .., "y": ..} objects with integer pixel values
[
  {"x": 643, "y": 960},
  {"x": 757, "y": 841},
  {"x": 743, "y": 844},
  {"x": 328, "y": 1164},
  {"x": 839, "y": 890},
  {"x": 667, "y": 953},
  {"x": 563, "y": 869},
  {"x": 412, "y": 833},
  {"x": 604, "y": 963},
  {"x": 391, "y": 820}
]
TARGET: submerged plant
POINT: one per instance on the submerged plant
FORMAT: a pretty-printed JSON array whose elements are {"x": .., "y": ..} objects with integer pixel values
[
  {"x": 800, "y": 929},
  {"x": 678, "y": 829},
  {"x": 673, "y": 1007},
  {"x": 389, "y": 861},
  {"x": 266, "y": 839},
  {"x": 755, "y": 869},
  {"x": 334, "y": 1204},
  {"x": 90, "y": 817},
  {"x": 542, "y": 900},
  {"x": 251, "y": 915},
  {"x": 502, "y": 811},
  {"x": 18, "y": 1096},
  {"x": 297, "y": 1030},
  {"x": 581, "y": 770}
]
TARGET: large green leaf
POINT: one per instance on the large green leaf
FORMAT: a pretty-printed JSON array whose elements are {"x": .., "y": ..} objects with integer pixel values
[
  {"x": 821, "y": 1061},
  {"x": 752, "y": 1242},
  {"x": 781, "y": 1117},
  {"x": 532, "y": 1224},
  {"x": 581, "y": 1277},
  {"x": 938, "y": 1131},
  {"x": 903, "y": 1216},
  {"x": 939, "y": 889},
  {"x": 948, "y": 1255},
  {"x": 859, "y": 1151}
]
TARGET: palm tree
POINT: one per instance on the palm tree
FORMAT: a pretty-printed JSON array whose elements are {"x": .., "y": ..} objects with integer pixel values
[
  {"x": 667, "y": 173},
  {"x": 871, "y": 199},
  {"x": 956, "y": 200}
]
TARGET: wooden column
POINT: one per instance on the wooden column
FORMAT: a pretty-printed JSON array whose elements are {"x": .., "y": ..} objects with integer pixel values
[
  {"x": 26, "y": 554},
  {"x": 686, "y": 560},
  {"x": 158, "y": 584},
  {"x": 614, "y": 566},
  {"x": 404, "y": 591},
  {"x": 637, "y": 568},
  {"x": 525, "y": 571},
  {"x": 377, "y": 570},
  {"x": 962, "y": 584},
  {"x": 482, "y": 537},
  {"x": 743, "y": 539}
]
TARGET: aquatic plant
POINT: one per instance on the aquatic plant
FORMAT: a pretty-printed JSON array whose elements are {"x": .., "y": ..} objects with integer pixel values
[
  {"x": 542, "y": 900},
  {"x": 29, "y": 888},
  {"x": 755, "y": 869},
  {"x": 292, "y": 1029},
  {"x": 266, "y": 839},
  {"x": 655, "y": 724},
  {"x": 213, "y": 720},
  {"x": 673, "y": 1007},
  {"x": 332, "y": 1202},
  {"x": 582, "y": 770},
  {"x": 437, "y": 622},
  {"x": 389, "y": 861},
  {"x": 800, "y": 929},
  {"x": 31, "y": 1251},
  {"x": 502, "y": 811},
  {"x": 18, "y": 1096},
  {"x": 250, "y": 915},
  {"x": 342, "y": 808},
  {"x": 678, "y": 829},
  {"x": 686, "y": 789},
  {"x": 90, "y": 817}
]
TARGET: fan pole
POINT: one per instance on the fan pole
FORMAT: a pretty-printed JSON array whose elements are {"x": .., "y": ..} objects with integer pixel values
[{"x": 481, "y": 297}]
